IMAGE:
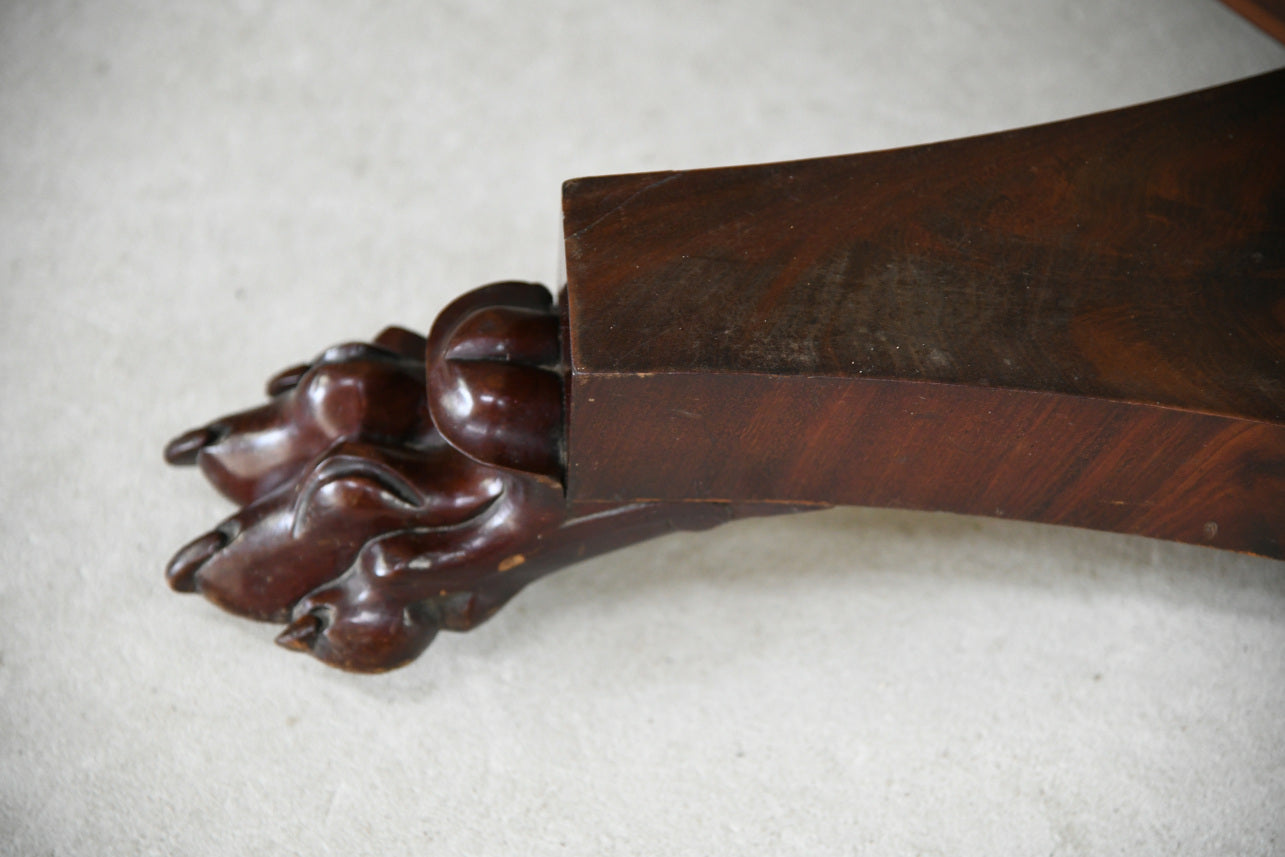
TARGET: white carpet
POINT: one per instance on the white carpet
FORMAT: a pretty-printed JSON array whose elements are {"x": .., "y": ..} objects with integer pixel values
[{"x": 194, "y": 195}]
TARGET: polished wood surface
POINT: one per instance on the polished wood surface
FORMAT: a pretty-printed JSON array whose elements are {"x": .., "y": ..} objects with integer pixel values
[
  {"x": 1079, "y": 323},
  {"x": 394, "y": 489}
]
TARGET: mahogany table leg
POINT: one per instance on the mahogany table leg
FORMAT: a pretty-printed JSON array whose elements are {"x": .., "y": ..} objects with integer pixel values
[{"x": 1081, "y": 323}]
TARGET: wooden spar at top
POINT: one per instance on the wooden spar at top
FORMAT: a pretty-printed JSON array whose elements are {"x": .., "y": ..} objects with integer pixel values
[
  {"x": 1080, "y": 323},
  {"x": 1267, "y": 15}
]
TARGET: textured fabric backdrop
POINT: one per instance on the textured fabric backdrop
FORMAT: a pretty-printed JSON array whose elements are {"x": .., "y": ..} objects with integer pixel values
[{"x": 194, "y": 195}]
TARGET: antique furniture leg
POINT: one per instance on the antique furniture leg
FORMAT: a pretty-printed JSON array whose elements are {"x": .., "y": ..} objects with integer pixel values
[{"x": 1081, "y": 323}]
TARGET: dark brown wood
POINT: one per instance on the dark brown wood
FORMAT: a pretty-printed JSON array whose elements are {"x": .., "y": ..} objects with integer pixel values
[{"x": 1080, "y": 323}]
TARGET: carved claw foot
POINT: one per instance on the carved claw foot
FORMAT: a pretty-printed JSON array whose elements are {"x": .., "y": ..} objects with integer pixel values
[
  {"x": 349, "y": 392},
  {"x": 394, "y": 489},
  {"x": 260, "y": 561}
]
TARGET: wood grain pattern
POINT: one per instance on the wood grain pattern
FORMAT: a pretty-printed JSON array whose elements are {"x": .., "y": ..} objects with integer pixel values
[{"x": 1078, "y": 323}]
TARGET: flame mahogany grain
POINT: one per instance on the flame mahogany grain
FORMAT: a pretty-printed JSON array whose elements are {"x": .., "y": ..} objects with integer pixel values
[{"x": 1079, "y": 323}]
